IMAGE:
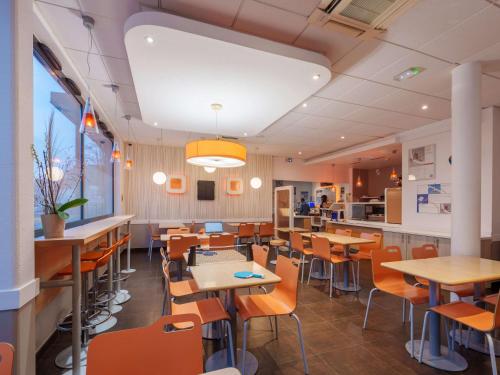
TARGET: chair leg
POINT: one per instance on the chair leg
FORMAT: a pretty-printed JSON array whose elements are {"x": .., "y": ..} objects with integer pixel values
[
  {"x": 492, "y": 354},
  {"x": 276, "y": 325},
  {"x": 404, "y": 311},
  {"x": 150, "y": 253},
  {"x": 357, "y": 280},
  {"x": 302, "y": 259},
  {"x": 467, "y": 343},
  {"x": 354, "y": 278},
  {"x": 301, "y": 341},
  {"x": 368, "y": 307},
  {"x": 231, "y": 344},
  {"x": 310, "y": 269},
  {"x": 331, "y": 279},
  {"x": 412, "y": 344},
  {"x": 244, "y": 347},
  {"x": 454, "y": 328},
  {"x": 422, "y": 340}
]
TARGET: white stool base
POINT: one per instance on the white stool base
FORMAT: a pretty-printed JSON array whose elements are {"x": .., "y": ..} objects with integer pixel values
[
  {"x": 65, "y": 358},
  {"x": 128, "y": 270}
]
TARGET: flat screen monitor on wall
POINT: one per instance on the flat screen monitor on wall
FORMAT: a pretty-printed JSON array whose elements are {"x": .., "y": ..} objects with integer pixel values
[{"x": 206, "y": 190}]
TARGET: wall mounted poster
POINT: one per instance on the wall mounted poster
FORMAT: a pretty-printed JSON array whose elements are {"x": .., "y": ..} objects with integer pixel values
[
  {"x": 434, "y": 199},
  {"x": 422, "y": 163}
]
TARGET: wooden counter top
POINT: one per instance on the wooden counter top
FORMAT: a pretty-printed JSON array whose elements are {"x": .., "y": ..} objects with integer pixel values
[
  {"x": 85, "y": 234},
  {"x": 339, "y": 239}
]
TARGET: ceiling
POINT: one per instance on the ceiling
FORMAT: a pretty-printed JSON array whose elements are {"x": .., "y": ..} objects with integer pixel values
[
  {"x": 379, "y": 157},
  {"x": 361, "y": 103}
]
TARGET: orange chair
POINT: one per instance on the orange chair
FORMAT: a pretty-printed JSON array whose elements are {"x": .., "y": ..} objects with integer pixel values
[
  {"x": 393, "y": 282},
  {"x": 365, "y": 250},
  {"x": 209, "y": 310},
  {"x": 6, "y": 358},
  {"x": 152, "y": 350},
  {"x": 154, "y": 236},
  {"x": 281, "y": 301},
  {"x": 266, "y": 231},
  {"x": 472, "y": 316},
  {"x": 430, "y": 251},
  {"x": 182, "y": 230},
  {"x": 221, "y": 241},
  {"x": 178, "y": 245},
  {"x": 322, "y": 251},
  {"x": 339, "y": 249},
  {"x": 297, "y": 245},
  {"x": 260, "y": 255},
  {"x": 246, "y": 231},
  {"x": 177, "y": 288}
]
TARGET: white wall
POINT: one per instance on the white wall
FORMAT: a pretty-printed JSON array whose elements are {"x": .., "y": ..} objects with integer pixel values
[{"x": 298, "y": 171}]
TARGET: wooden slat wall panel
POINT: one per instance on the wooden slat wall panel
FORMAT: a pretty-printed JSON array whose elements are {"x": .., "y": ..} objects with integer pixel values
[{"x": 150, "y": 201}]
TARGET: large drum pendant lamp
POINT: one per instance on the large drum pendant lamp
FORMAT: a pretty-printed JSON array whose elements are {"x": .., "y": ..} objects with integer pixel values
[{"x": 216, "y": 153}]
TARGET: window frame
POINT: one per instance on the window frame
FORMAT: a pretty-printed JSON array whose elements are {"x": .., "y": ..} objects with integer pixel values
[{"x": 57, "y": 76}]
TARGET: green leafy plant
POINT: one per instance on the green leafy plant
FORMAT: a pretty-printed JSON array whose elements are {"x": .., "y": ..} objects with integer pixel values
[{"x": 55, "y": 180}]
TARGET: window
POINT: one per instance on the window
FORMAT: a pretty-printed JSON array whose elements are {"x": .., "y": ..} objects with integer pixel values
[{"x": 96, "y": 183}]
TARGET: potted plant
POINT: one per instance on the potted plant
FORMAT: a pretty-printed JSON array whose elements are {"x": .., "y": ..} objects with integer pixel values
[{"x": 56, "y": 182}]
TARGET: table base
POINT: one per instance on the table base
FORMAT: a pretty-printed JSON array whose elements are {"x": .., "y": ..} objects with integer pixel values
[
  {"x": 122, "y": 296},
  {"x": 65, "y": 358},
  {"x": 128, "y": 270},
  {"x": 477, "y": 342},
  {"x": 447, "y": 361},
  {"x": 320, "y": 275},
  {"x": 211, "y": 331},
  {"x": 350, "y": 288},
  {"x": 218, "y": 360}
]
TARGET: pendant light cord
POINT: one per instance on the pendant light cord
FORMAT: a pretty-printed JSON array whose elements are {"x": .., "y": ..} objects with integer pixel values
[{"x": 91, "y": 40}]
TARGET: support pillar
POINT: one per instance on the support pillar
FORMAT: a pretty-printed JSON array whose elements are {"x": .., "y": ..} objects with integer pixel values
[{"x": 466, "y": 160}]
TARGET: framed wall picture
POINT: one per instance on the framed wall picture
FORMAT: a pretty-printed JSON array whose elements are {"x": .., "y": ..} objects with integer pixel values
[
  {"x": 176, "y": 184},
  {"x": 234, "y": 186},
  {"x": 422, "y": 163},
  {"x": 206, "y": 190}
]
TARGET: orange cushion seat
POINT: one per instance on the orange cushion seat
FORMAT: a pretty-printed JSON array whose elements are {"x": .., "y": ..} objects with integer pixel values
[
  {"x": 261, "y": 305},
  {"x": 336, "y": 259},
  {"x": 307, "y": 251},
  {"x": 467, "y": 314},
  {"x": 209, "y": 310},
  {"x": 183, "y": 288},
  {"x": 412, "y": 293},
  {"x": 84, "y": 268}
]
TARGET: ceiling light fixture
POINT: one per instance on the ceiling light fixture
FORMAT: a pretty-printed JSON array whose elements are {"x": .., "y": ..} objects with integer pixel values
[
  {"x": 245, "y": 134},
  {"x": 316, "y": 77},
  {"x": 88, "y": 124},
  {"x": 342, "y": 137},
  {"x": 128, "y": 160},
  {"x": 159, "y": 178},
  {"x": 359, "y": 183},
  {"x": 300, "y": 152},
  {"x": 408, "y": 73},
  {"x": 425, "y": 107},
  {"x": 216, "y": 153},
  {"x": 304, "y": 105},
  {"x": 256, "y": 183},
  {"x": 393, "y": 176},
  {"x": 155, "y": 123},
  {"x": 115, "y": 153},
  {"x": 209, "y": 169},
  {"x": 149, "y": 39}
]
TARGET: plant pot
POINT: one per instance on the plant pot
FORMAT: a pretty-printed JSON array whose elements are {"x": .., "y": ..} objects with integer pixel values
[{"x": 53, "y": 226}]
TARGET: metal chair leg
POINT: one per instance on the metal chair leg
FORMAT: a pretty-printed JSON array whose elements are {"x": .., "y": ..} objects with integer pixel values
[
  {"x": 354, "y": 278},
  {"x": 310, "y": 269},
  {"x": 231, "y": 344},
  {"x": 331, "y": 279},
  {"x": 467, "y": 343},
  {"x": 276, "y": 325},
  {"x": 412, "y": 344},
  {"x": 368, "y": 307},
  {"x": 492, "y": 354},
  {"x": 301, "y": 341},
  {"x": 422, "y": 340},
  {"x": 302, "y": 260},
  {"x": 244, "y": 347},
  {"x": 404, "y": 311}
]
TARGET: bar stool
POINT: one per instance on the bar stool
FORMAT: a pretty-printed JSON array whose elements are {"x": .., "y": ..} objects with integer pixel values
[
  {"x": 277, "y": 244},
  {"x": 89, "y": 312}
]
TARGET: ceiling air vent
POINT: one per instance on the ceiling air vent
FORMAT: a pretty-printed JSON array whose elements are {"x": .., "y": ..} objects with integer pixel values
[{"x": 358, "y": 18}]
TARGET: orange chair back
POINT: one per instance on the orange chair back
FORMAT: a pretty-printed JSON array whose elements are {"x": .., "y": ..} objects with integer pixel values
[
  {"x": 179, "y": 230},
  {"x": 382, "y": 274},
  {"x": 286, "y": 291},
  {"x": 321, "y": 247},
  {"x": 178, "y": 245},
  {"x": 296, "y": 241},
  {"x": 266, "y": 230},
  {"x": 149, "y": 350},
  {"x": 369, "y": 247},
  {"x": 424, "y": 252},
  {"x": 6, "y": 358},
  {"x": 246, "y": 230},
  {"x": 342, "y": 232},
  {"x": 260, "y": 254},
  {"x": 221, "y": 241}
]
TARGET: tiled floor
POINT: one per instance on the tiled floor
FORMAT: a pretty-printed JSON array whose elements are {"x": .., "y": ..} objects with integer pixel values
[{"x": 335, "y": 342}]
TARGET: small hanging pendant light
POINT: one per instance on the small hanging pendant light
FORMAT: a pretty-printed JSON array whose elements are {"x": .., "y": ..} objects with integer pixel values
[
  {"x": 88, "y": 124},
  {"x": 159, "y": 177},
  {"x": 129, "y": 163},
  {"x": 115, "y": 153},
  {"x": 359, "y": 183},
  {"x": 393, "y": 176}
]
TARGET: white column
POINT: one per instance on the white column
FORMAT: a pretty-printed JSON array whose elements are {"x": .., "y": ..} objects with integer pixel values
[
  {"x": 466, "y": 160},
  {"x": 17, "y": 284}
]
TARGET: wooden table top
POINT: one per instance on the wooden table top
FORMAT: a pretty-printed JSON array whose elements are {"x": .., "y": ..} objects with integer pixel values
[
  {"x": 86, "y": 233},
  {"x": 220, "y": 276},
  {"x": 166, "y": 237},
  {"x": 171, "y": 225},
  {"x": 292, "y": 229},
  {"x": 340, "y": 239},
  {"x": 451, "y": 270},
  {"x": 227, "y": 255},
  {"x": 238, "y": 224}
]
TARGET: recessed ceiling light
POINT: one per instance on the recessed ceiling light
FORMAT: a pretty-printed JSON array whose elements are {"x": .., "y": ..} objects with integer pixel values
[
  {"x": 149, "y": 39},
  {"x": 342, "y": 137},
  {"x": 155, "y": 123},
  {"x": 245, "y": 134},
  {"x": 300, "y": 152},
  {"x": 316, "y": 77},
  {"x": 304, "y": 105},
  {"x": 425, "y": 107},
  {"x": 409, "y": 73}
]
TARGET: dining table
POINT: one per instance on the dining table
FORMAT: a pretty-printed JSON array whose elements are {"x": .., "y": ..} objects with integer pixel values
[
  {"x": 220, "y": 276},
  {"x": 450, "y": 270},
  {"x": 171, "y": 225},
  {"x": 346, "y": 242}
]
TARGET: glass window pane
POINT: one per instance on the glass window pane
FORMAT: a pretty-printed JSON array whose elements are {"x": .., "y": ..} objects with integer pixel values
[
  {"x": 98, "y": 180},
  {"x": 48, "y": 97}
]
